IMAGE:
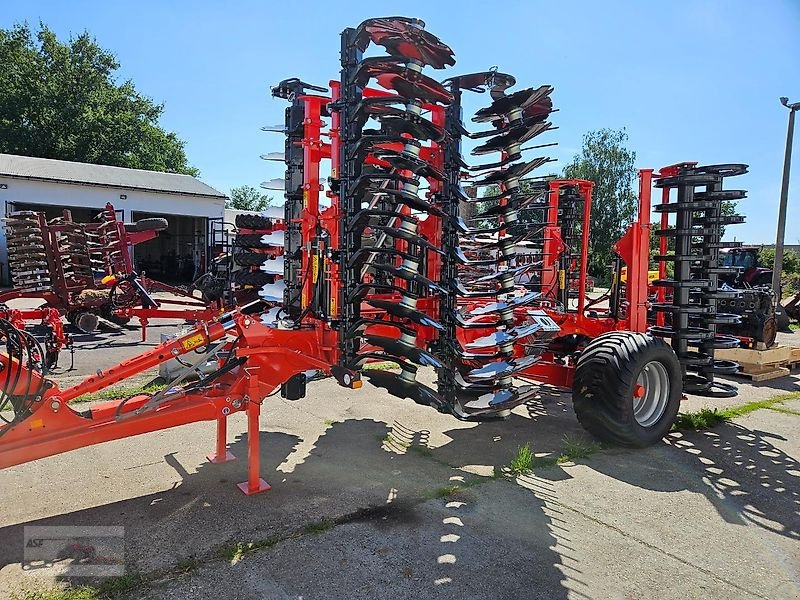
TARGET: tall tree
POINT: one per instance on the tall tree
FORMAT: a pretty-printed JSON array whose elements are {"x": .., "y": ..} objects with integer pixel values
[
  {"x": 606, "y": 161},
  {"x": 246, "y": 197},
  {"x": 61, "y": 100}
]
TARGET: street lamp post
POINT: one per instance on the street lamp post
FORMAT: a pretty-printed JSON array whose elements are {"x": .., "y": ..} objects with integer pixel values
[{"x": 787, "y": 164}]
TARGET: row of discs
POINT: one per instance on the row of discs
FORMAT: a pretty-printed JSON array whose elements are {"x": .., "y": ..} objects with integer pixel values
[
  {"x": 492, "y": 322},
  {"x": 27, "y": 256},
  {"x": 388, "y": 215}
]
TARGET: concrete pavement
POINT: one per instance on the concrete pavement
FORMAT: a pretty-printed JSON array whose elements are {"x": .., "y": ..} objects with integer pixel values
[{"x": 363, "y": 506}]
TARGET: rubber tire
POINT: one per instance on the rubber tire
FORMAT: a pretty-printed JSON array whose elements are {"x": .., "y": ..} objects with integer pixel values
[
  {"x": 151, "y": 224},
  {"x": 782, "y": 319},
  {"x": 250, "y": 259},
  {"x": 249, "y": 240},
  {"x": 253, "y": 222},
  {"x": 254, "y": 278},
  {"x": 603, "y": 385}
]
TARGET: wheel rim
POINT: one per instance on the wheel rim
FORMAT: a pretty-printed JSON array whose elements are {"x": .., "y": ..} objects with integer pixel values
[{"x": 653, "y": 387}]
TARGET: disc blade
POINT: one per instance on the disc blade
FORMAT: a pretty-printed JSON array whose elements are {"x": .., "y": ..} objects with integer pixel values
[
  {"x": 400, "y": 310},
  {"x": 276, "y": 238},
  {"x": 273, "y": 292},
  {"x": 278, "y": 184},
  {"x": 273, "y": 267},
  {"x": 398, "y": 348}
]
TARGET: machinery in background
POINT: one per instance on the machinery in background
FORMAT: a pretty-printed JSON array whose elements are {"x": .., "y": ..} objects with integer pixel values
[{"x": 84, "y": 272}]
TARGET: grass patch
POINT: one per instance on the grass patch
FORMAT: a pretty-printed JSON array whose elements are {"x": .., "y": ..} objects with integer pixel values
[
  {"x": 390, "y": 440},
  {"x": 112, "y": 587},
  {"x": 385, "y": 365},
  {"x": 113, "y": 393},
  {"x": 794, "y": 326},
  {"x": 701, "y": 419},
  {"x": 447, "y": 491},
  {"x": 575, "y": 447},
  {"x": 330, "y": 422},
  {"x": 116, "y": 586},
  {"x": 320, "y": 526},
  {"x": 523, "y": 461},
  {"x": 236, "y": 552},
  {"x": 709, "y": 417},
  {"x": 70, "y": 593}
]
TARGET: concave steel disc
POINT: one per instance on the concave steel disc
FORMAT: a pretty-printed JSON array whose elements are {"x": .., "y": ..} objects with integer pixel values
[
  {"x": 408, "y": 236},
  {"x": 503, "y": 368},
  {"x": 393, "y": 112},
  {"x": 405, "y": 38},
  {"x": 517, "y": 135},
  {"x": 410, "y": 276},
  {"x": 516, "y": 202},
  {"x": 407, "y": 162},
  {"x": 410, "y": 200},
  {"x": 398, "y": 348},
  {"x": 517, "y": 101},
  {"x": 503, "y": 337},
  {"x": 410, "y": 84},
  {"x": 494, "y": 81},
  {"x": 400, "y": 310},
  {"x": 514, "y": 172},
  {"x": 496, "y": 307}
]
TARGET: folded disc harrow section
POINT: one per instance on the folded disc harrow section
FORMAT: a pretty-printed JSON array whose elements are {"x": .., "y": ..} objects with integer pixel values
[
  {"x": 390, "y": 199},
  {"x": 691, "y": 317},
  {"x": 490, "y": 333}
]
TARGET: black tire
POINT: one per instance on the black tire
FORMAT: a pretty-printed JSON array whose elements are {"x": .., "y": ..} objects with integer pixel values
[
  {"x": 250, "y": 259},
  {"x": 152, "y": 224},
  {"x": 211, "y": 287},
  {"x": 253, "y": 222},
  {"x": 254, "y": 278},
  {"x": 782, "y": 319},
  {"x": 605, "y": 382},
  {"x": 249, "y": 240}
]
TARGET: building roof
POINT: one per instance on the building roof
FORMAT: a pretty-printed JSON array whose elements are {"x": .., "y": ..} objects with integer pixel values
[{"x": 48, "y": 169}]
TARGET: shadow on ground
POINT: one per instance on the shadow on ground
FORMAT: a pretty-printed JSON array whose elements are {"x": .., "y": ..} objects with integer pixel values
[{"x": 387, "y": 477}]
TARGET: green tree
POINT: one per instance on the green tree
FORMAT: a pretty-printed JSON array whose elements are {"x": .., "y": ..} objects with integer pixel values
[
  {"x": 606, "y": 161},
  {"x": 791, "y": 262},
  {"x": 61, "y": 100},
  {"x": 246, "y": 197}
]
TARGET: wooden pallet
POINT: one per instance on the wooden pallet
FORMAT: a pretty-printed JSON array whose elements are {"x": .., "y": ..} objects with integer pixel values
[{"x": 763, "y": 365}]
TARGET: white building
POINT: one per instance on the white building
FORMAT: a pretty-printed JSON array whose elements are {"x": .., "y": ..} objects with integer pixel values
[{"x": 191, "y": 207}]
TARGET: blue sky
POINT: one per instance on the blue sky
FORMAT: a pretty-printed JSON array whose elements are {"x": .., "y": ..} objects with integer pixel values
[{"x": 689, "y": 80}]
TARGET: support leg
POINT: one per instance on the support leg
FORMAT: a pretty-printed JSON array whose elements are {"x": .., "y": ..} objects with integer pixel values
[
  {"x": 254, "y": 483},
  {"x": 143, "y": 322},
  {"x": 221, "y": 453}
]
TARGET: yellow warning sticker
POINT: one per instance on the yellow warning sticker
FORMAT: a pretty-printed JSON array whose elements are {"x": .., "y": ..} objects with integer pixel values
[
  {"x": 314, "y": 268},
  {"x": 562, "y": 279},
  {"x": 193, "y": 342},
  {"x": 305, "y": 199}
]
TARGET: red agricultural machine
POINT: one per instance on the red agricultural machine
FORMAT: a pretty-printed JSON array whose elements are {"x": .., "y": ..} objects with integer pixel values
[
  {"x": 390, "y": 272},
  {"x": 84, "y": 272}
]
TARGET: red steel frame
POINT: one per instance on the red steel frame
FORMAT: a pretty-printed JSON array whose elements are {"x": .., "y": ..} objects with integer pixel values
[{"x": 274, "y": 355}]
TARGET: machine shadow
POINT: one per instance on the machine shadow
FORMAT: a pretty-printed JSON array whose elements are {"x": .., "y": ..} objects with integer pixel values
[
  {"x": 743, "y": 475},
  {"x": 391, "y": 478},
  {"x": 178, "y": 522},
  {"x": 357, "y": 471}
]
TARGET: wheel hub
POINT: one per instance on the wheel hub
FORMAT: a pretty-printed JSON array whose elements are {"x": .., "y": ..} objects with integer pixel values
[{"x": 651, "y": 394}]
